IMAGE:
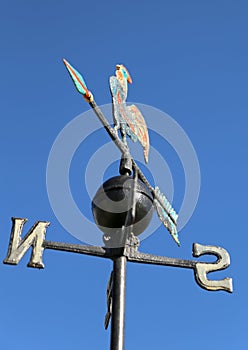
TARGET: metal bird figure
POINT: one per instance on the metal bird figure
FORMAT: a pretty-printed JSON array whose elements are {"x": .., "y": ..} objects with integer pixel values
[{"x": 128, "y": 119}]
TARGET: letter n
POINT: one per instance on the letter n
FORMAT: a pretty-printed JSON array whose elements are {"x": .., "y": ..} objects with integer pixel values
[{"x": 18, "y": 246}]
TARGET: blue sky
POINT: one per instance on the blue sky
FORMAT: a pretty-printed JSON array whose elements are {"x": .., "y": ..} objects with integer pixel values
[{"x": 186, "y": 58}]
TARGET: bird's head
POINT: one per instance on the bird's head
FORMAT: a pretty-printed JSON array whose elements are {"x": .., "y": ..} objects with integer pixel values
[{"x": 123, "y": 70}]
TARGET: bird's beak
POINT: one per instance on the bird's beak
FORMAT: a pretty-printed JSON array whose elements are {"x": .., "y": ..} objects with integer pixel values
[{"x": 129, "y": 79}]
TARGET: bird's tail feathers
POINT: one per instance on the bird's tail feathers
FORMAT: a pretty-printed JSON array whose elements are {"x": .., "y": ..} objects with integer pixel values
[{"x": 139, "y": 128}]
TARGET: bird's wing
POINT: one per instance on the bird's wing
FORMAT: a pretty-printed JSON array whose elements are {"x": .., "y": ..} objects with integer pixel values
[
  {"x": 138, "y": 126},
  {"x": 168, "y": 216}
]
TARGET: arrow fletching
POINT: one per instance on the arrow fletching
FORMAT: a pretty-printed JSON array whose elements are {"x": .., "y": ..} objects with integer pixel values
[
  {"x": 166, "y": 214},
  {"x": 78, "y": 81}
]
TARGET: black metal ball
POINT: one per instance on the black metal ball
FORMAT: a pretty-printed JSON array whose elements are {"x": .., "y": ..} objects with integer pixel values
[{"x": 111, "y": 205}]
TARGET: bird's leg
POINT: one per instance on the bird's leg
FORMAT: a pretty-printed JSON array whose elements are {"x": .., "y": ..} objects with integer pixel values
[
  {"x": 116, "y": 116},
  {"x": 116, "y": 128},
  {"x": 124, "y": 138}
]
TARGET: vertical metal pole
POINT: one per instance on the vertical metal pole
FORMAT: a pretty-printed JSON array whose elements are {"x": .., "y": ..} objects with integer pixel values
[{"x": 118, "y": 306}]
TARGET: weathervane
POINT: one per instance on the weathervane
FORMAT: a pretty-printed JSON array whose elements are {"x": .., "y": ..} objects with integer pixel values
[{"x": 122, "y": 209}]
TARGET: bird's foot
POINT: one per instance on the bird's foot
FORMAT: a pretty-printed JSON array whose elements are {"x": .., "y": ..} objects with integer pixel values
[
  {"x": 124, "y": 139},
  {"x": 116, "y": 128}
]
